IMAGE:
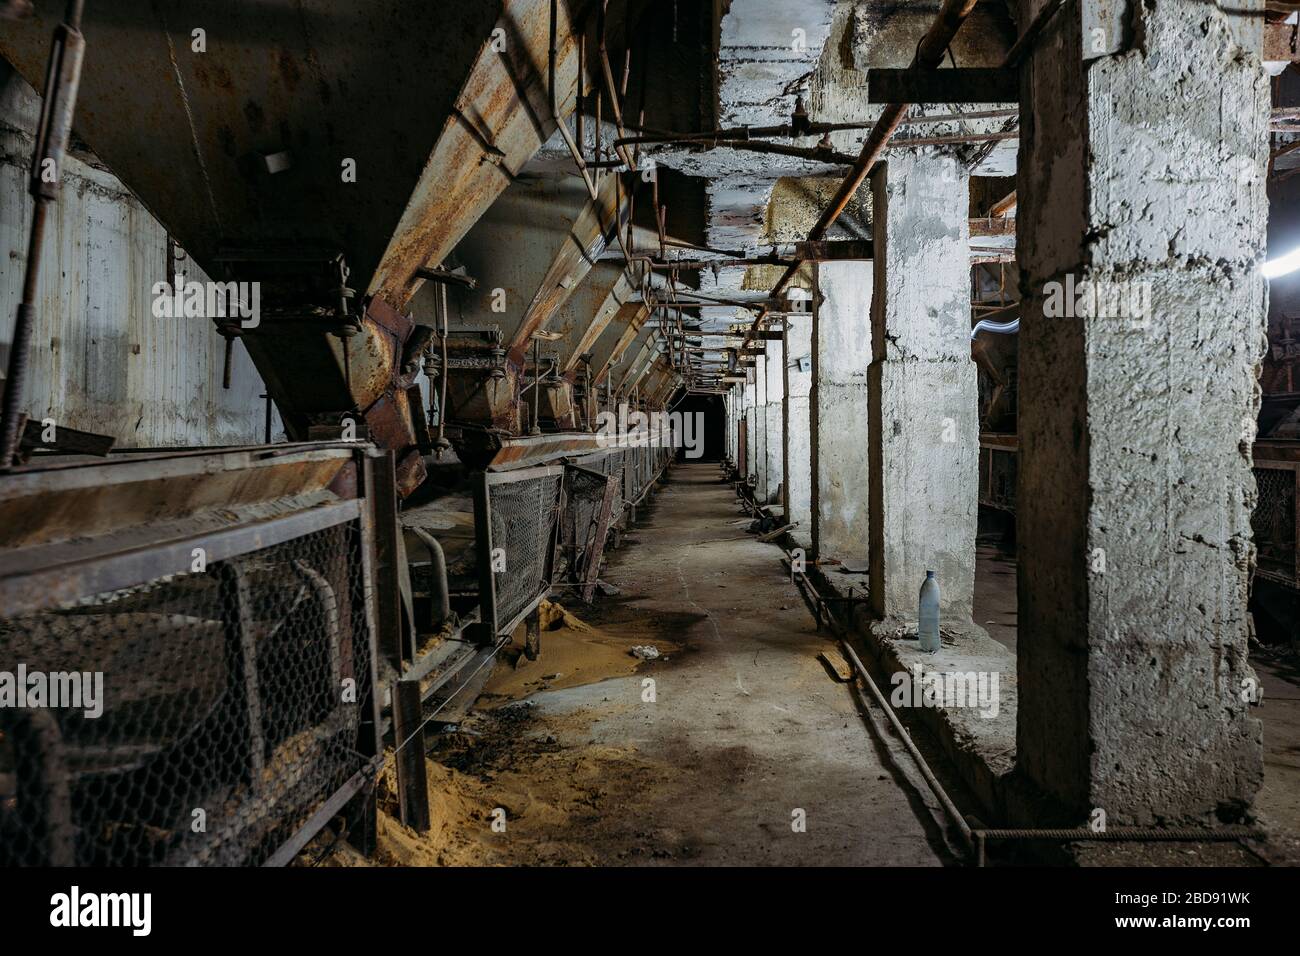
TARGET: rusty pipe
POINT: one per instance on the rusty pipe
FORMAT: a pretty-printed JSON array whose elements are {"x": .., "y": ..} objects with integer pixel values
[
  {"x": 929, "y": 56},
  {"x": 592, "y": 190},
  {"x": 62, "y": 79},
  {"x": 442, "y": 444},
  {"x": 440, "y": 590},
  {"x": 611, "y": 88}
]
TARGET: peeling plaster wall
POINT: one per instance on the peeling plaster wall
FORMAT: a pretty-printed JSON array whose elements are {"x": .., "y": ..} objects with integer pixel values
[
  {"x": 923, "y": 410},
  {"x": 797, "y": 431},
  {"x": 774, "y": 418},
  {"x": 841, "y": 354}
]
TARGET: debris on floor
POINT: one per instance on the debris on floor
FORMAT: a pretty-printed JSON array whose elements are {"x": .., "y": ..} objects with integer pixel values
[{"x": 504, "y": 768}]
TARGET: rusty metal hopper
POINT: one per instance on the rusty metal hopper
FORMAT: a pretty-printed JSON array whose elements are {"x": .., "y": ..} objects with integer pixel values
[{"x": 233, "y": 121}]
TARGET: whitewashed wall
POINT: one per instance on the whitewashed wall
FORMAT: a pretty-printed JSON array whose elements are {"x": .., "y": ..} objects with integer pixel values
[{"x": 100, "y": 360}]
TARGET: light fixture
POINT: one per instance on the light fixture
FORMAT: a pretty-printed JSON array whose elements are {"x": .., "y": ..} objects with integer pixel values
[{"x": 1281, "y": 266}]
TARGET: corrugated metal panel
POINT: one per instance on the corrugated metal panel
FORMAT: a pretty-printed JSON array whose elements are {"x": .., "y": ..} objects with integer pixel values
[{"x": 101, "y": 361}]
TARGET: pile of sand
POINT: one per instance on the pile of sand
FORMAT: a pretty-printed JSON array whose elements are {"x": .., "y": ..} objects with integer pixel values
[
  {"x": 555, "y": 797},
  {"x": 573, "y": 654}
]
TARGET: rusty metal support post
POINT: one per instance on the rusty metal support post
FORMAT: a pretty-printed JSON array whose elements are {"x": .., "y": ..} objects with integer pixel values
[
  {"x": 58, "y": 104},
  {"x": 533, "y": 635},
  {"x": 487, "y": 591}
]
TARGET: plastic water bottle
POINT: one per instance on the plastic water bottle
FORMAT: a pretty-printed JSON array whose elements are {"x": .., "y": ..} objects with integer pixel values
[{"x": 927, "y": 617}]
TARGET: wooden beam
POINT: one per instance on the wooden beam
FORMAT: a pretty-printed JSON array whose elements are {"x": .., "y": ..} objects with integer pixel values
[
  {"x": 992, "y": 227},
  {"x": 834, "y": 250},
  {"x": 957, "y": 85}
]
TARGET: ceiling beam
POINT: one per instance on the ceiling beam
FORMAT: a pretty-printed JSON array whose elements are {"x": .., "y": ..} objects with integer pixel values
[{"x": 958, "y": 85}]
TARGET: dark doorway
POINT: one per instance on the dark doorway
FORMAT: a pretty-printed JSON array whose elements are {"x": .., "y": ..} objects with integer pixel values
[{"x": 710, "y": 440}]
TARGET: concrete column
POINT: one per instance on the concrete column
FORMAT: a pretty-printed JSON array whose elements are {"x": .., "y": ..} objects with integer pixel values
[
  {"x": 797, "y": 435},
  {"x": 1141, "y": 177},
  {"x": 730, "y": 406},
  {"x": 774, "y": 448},
  {"x": 841, "y": 352},
  {"x": 923, "y": 410},
  {"x": 751, "y": 425}
]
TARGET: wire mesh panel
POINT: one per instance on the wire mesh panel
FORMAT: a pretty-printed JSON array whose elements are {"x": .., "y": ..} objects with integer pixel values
[
  {"x": 199, "y": 718},
  {"x": 584, "y": 498},
  {"x": 524, "y": 511},
  {"x": 614, "y": 466},
  {"x": 1274, "y": 523}
]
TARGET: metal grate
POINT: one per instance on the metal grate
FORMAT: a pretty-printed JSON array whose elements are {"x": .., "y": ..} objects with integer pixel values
[
  {"x": 230, "y": 700},
  {"x": 1273, "y": 522}
]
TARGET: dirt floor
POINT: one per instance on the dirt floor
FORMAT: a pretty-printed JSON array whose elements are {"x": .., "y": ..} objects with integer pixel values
[
  {"x": 734, "y": 746},
  {"x": 718, "y": 749}
]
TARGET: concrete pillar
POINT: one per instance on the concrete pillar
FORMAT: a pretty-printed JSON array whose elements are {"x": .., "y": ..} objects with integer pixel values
[
  {"x": 796, "y": 433},
  {"x": 923, "y": 411},
  {"x": 751, "y": 425},
  {"x": 1141, "y": 177},
  {"x": 729, "y": 406},
  {"x": 841, "y": 352},
  {"x": 774, "y": 447}
]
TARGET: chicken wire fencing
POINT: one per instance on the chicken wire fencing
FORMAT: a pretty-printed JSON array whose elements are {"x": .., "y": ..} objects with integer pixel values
[
  {"x": 585, "y": 518},
  {"x": 523, "y": 509},
  {"x": 199, "y": 718},
  {"x": 1274, "y": 524}
]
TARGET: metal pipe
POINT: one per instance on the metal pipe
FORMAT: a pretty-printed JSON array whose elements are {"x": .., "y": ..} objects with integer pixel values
[
  {"x": 560, "y": 124},
  {"x": 440, "y": 590},
  {"x": 929, "y": 56},
  {"x": 1004, "y": 328},
  {"x": 611, "y": 88},
  {"x": 936, "y": 788},
  {"x": 442, "y": 444}
]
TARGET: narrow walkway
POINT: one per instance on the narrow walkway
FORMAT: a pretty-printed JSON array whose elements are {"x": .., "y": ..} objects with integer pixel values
[{"x": 746, "y": 726}]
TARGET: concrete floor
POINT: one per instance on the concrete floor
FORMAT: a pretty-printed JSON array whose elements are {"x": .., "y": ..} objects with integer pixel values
[{"x": 747, "y": 725}]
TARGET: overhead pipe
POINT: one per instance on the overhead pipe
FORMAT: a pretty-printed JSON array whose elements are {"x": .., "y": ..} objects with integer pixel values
[
  {"x": 1003, "y": 328},
  {"x": 610, "y": 87},
  {"x": 593, "y": 189},
  {"x": 648, "y": 136},
  {"x": 929, "y": 56}
]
